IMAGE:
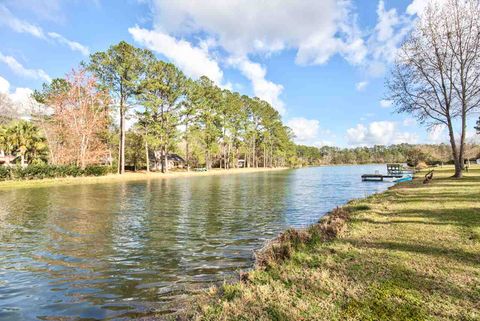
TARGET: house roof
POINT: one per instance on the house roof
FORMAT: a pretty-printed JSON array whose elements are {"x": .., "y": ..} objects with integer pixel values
[{"x": 175, "y": 158}]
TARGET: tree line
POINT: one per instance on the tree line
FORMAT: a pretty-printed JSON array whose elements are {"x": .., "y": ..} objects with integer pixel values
[
  {"x": 401, "y": 153},
  {"x": 124, "y": 107},
  {"x": 125, "y": 102}
]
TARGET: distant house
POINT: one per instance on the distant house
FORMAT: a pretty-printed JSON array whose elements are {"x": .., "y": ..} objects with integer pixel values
[
  {"x": 6, "y": 159},
  {"x": 241, "y": 163},
  {"x": 173, "y": 161}
]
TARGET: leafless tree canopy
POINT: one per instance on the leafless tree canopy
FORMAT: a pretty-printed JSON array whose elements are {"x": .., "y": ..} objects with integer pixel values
[
  {"x": 437, "y": 73},
  {"x": 7, "y": 109}
]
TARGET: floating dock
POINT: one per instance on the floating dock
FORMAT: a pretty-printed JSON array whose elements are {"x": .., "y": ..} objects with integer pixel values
[
  {"x": 395, "y": 171},
  {"x": 379, "y": 177}
]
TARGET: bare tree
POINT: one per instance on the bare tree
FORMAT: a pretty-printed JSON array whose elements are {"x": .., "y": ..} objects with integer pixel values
[
  {"x": 8, "y": 109},
  {"x": 436, "y": 76},
  {"x": 77, "y": 118}
]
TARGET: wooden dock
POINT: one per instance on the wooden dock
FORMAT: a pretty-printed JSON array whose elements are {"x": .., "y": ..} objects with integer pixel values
[
  {"x": 379, "y": 177},
  {"x": 394, "y": 171}
]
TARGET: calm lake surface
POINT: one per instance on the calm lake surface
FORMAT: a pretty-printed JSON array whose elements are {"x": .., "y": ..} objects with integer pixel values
[{"x": 124, "y": 249}]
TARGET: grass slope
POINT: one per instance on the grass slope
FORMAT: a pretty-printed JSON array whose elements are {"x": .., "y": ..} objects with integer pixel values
[{"x": 411, "y": 253}]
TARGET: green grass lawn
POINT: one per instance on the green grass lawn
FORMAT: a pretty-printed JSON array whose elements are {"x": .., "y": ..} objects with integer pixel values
[{"x": 411, "y": 253}]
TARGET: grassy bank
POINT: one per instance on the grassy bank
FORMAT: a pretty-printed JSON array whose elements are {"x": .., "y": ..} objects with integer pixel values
[
  {"x": 129, "y": 176},
  {"x": 411, "y": 253}
]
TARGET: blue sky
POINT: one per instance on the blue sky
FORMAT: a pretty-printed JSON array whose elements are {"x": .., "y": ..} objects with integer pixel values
[{"x": 322, "y": 64}]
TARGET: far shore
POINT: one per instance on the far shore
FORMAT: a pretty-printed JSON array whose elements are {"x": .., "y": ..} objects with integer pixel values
[{"x": 128, "y": 176}]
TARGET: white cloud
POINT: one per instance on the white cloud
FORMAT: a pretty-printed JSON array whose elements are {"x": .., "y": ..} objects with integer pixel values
[
  {"x": 194, "y": 61},
  {"x": 404, "y": 137},
  {"x": 322, "y": 143},
  {"x": 383, "y": 43},
  {"x": 308, "y": 132},
  {"x": 360, "y": 86},
  {"x": 4, "y": 85},
  {"x": 51, "y": 10},
  {"x": 378, "y": 133},
  {"x": 20, "y": 100},
  {"x": 8, "y": 19},
  {"x": 409, "y": 121},
  {"x": 387, "y": 20},
  {"x": 262, "y": 88},
  {"x": 418, "y": 6},
  {"x": 19, "y": 69},
  {"x": 73, "y": 45},
  {"x": 21, "y": 26},
  {"x": 472, "y": 137},
  {"x": 385, "y": 103},
  {"x": 437, "y": 134},
  {"x": 318, "y": 29},
  {"x": 305, "y": 130},
  {"x": 21, "y": 95}
]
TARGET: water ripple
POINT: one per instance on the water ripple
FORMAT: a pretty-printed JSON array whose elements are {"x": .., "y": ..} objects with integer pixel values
[{"x": 123, "y": 250}]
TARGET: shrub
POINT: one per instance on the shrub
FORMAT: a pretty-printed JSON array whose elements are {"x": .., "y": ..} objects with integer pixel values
[
  {"x": 69, "y": 171},
  {"x": 41, "y": 171},
  {"x": 5, "y": 173},
  {"x": 97, "y": 170}
]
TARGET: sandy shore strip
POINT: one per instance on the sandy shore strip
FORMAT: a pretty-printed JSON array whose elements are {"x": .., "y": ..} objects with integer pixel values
[{"x": 129, "y": 176}]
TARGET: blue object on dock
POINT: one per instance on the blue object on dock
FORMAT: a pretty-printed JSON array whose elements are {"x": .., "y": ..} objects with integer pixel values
[{"x": 404, "y": 179}]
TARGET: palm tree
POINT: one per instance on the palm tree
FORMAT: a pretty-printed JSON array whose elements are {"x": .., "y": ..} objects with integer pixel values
[{"x": 23, "y": 139}]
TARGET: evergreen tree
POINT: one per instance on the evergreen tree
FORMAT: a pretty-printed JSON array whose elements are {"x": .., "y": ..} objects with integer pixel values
[{"x": 120, "y": 69}]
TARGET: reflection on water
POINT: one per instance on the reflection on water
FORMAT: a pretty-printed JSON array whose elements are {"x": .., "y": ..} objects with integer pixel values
[{"x": 126, "y": 249}]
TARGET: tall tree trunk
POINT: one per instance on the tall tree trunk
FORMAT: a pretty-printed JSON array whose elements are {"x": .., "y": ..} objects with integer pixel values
[
  {"x": 207, "y": 160},
  {"x": 187, "y": 148},
  {"x": 164, "y": 160},
  {"x": 121, "y": 156},
  {"x": 53, "y": 159},
  {"x": 224, "y": 156},
  {"x": 229, "y": 148},
  {"x": 147, "y": 157},
  {"x": 264, "y": 156},
  {"x": 271, "y": 156},
  {"x": 187, "y": 156},
  {"x": 254, "y": 154},
  {"x": 461, "y": 156},
  {"x": 236, "y": 158},
  {"x": 456, "y": 160}
]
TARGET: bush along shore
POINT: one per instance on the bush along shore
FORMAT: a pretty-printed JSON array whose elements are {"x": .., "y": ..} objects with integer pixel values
[
  {"x": 104, "y": 174},
  {"x": 43, "y": 171},
  {"x": 411, "y": 253}
]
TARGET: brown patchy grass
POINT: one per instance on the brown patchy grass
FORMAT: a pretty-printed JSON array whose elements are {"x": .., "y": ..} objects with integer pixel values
[{"x": 411, "y": 253}]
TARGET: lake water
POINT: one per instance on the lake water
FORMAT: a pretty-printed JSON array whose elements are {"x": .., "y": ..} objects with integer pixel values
[{"x": 124, "y": 249}]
